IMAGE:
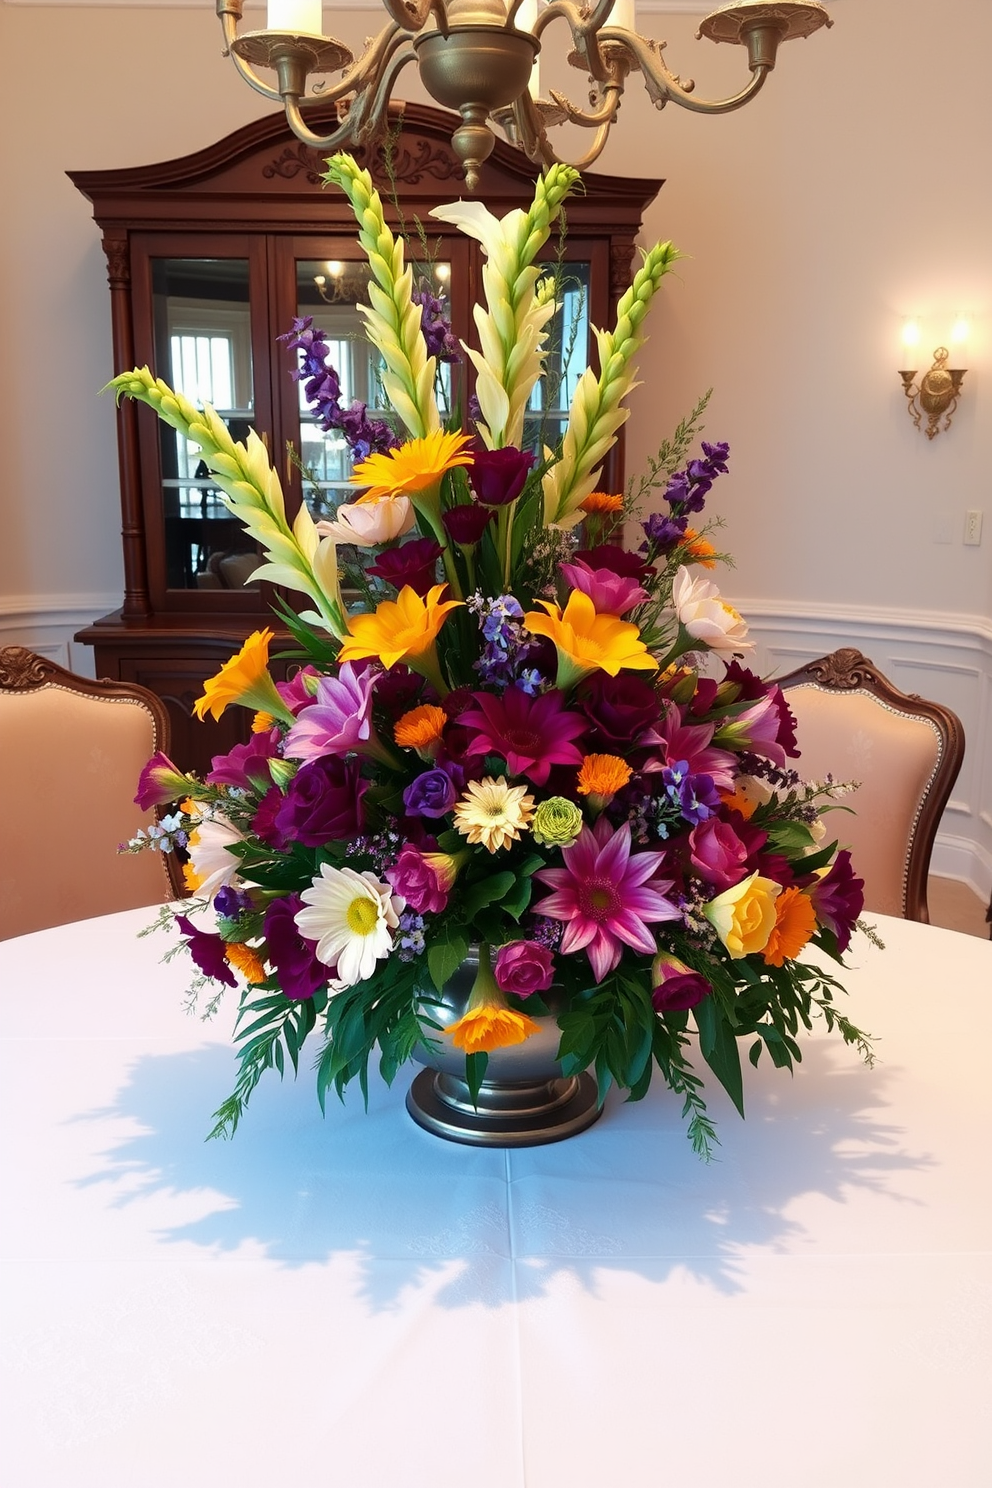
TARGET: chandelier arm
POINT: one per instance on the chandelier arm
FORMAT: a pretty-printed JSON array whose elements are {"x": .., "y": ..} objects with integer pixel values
[
  {"x": 229, "y": 13},
  {"x": 532, "y": 136},
  {"x": 365, "y": 119},
  {"x": 364, "y": 75},
  {"x": 663, "y": 85},
  {"x": 411, "y": 15}
]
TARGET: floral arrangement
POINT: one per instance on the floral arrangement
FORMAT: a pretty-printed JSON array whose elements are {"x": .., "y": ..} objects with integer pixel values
[{"x": 515, "y": 733}]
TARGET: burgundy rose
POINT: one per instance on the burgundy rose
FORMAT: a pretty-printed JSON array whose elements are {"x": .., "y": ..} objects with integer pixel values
[
  {"x": 618, "y": 560},
  {"x": 399, "y": 690},
  {"x": 263, "y": 823},
  {"x": 297, "y": 969},
  {"x": 619, "y": 708},
  {"x": 207, "y": 951},
  {"x": 246, "y": 766},
  {"x": 838, "y": 898},
  {"x": 523, "y": 967},
  {"x": 323, "y": 803},
  {"x": 675, "y": 986},
  {"x": 466, "y": 524},
  {"x": 498, "y": 476},
  {"x": 415, "y": 564}
]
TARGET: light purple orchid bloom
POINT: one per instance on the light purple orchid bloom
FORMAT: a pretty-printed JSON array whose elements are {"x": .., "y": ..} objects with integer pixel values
[
  {"x": 338, "y": 721},
  {"x": 611, "y": 593},
  {"x": 756, "y": 729}
]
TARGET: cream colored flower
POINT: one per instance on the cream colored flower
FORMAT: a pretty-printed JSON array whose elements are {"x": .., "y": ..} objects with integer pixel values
[
  {"x": 493, "y": 812},
  {"x": 368, "y": 524},
  {"x": 211, "y": 863},
  {"x": 707, "y": 617},
  {"x": 351, "y": 916}
]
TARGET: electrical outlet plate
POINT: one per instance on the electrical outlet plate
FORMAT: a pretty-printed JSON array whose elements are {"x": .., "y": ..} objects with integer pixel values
[{"x": 972, "y": 528}]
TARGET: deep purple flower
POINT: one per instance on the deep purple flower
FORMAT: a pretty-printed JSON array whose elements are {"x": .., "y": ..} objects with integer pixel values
[
  {"x": 838, "y": 898},
  {"x": 619, "y": 708},
  {"x": 365, "y": 436},
  {"x": 207, "y": 952},
  {"x": 665, "y": 531},
  {"x": 297, "y": 969},
  {"x": 263, "y": 823},
  {"x": 435, "y": 325},
  {"x": 466, "y": 524},
  {"x": 323, "y": 803},
  {"x": 246, "y": 766},
  {"x": 498, "y": 476},
  {"x": 523, "y": 967},
  {"x": 415, "y": 563},
  {"x": 675, "y": 986},
  {"x": 694, "y": 793},
  {"x": 430, "y": 794},
  {"x": 230, "y": 903}
]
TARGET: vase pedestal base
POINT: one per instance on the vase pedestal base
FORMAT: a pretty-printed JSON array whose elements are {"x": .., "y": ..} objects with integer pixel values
[{"x": 509, "y": 1113}]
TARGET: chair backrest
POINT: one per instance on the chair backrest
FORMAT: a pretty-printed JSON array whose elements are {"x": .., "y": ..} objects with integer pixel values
[
  {"x": 905, "y": 753},
  {"x": 71, "y": 751}
]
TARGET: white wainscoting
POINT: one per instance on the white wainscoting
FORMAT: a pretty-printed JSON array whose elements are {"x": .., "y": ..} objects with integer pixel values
[
  {"x": 46, "y": 623},
  {"x": 944, "y": 657}
]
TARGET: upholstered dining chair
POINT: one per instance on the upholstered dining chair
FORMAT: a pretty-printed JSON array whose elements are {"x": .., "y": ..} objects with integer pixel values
[
  {"x": 71, "y": 751},
  {"x": 905, "y": 753}
]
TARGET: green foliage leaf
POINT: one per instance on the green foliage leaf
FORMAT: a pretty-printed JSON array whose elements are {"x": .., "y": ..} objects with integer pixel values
[
  {"x": 718, "y": 1046},
  {"x": 445, "y": 957}
]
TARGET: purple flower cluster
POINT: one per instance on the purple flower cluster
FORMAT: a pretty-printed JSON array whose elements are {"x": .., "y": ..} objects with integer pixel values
[
  {"x": 695, "y": 795},
  {"x": 365, "y": 436},
  {"x": 504, "y": 658},
  {"x": 435, "y": 325},
  {"x": 686, "y": 492}
]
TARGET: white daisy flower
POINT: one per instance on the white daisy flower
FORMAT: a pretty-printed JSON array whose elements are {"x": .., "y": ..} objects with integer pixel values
[
  {"x": 351, "y": 916},
  {"x": 211, "y": 863}
]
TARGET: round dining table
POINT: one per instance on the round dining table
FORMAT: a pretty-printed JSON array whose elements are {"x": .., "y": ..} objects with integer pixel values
[{"x": 349, "y": 1300}]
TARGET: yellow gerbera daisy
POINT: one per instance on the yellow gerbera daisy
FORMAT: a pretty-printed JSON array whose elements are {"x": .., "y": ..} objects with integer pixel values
[
  {"x": 244, "y": 679},
  {"x": 588, "y": 642},
  {"x": 420, "y": 728},
  {"x": 493, "y": 812},
  {"x": 485, "y": 1028},
  {"x": 403, "y": 629},
  {"x": 413, "y": 468}
]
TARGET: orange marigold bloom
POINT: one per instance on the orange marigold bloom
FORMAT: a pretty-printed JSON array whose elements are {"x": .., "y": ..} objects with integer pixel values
[
  {"x": 601, "y": 501},
  {"x": 603, "y": 775},
  {"x": 245, "y": 960},
  {"x": 738, "y": 800},
  {"x": 795, "y": 922},
  {"x": 262, "y": 722},
  {"x": 421, "y": 727},
  {"x": 697, "y": 548},
  {"x": 489, "y": 1027},
  {"x": 414, "y": 467}
]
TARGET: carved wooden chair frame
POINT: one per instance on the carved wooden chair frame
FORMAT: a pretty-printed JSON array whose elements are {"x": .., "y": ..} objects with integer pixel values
[
  {"x": 847, "y": 670},
  {"x": 25, "y": 671}
]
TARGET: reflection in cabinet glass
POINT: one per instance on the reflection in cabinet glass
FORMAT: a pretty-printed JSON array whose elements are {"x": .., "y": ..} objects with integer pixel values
[{"x": 210, "y": 258}]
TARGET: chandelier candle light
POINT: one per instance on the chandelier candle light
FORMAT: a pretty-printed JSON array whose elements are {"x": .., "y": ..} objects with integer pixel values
[
  {"x": 520, "y": 813},
  {"x": 480, "y": 58}
]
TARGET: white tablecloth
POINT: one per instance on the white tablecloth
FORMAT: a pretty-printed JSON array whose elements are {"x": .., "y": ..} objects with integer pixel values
[{"x": 353, "y": 1302}]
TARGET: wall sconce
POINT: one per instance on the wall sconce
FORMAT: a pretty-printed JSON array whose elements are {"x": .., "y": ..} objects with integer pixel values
[{"x": 939, "y": 389}]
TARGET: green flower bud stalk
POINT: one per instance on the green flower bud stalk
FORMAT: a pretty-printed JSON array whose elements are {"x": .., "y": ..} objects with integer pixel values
[
  {"x": 393, "y": 321},
  {"x": 251, "y": 492},
  {"x": 512, "y": 329},
  {"x": 596, "y": 413},
  {"x": 556, "y": 822}
]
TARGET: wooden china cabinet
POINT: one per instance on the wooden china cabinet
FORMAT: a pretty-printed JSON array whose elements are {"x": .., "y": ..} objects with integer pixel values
[{"x": 209, "y": 258}]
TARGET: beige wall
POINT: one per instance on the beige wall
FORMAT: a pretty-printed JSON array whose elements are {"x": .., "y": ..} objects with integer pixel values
[{"x": 813, "y": 220}]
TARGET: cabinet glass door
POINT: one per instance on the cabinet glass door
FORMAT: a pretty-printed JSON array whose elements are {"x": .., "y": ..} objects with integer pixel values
[
  {"x": 566, "y": 360},
  {"x": 203, "y": 345}
]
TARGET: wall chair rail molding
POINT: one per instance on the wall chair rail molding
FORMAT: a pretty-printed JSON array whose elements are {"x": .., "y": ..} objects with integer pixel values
[
  {"x": 46, "y": 623},
  {"x": 947, "y": 657}
]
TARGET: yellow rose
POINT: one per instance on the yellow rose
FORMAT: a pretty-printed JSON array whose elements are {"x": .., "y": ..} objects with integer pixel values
[{"x": 744, "y": 916}]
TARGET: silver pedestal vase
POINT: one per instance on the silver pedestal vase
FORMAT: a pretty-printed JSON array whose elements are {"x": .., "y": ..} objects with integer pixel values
[{"x": 525, "y": 1099}]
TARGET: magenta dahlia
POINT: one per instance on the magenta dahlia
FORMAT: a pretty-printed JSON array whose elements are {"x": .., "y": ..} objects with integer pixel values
[
  {"x": 530, "y": 733},
  {"x": 606, "y": 896}
]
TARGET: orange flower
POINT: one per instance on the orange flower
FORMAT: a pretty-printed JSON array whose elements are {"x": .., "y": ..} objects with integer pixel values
[
  {"x": 245, "y": 960},
  {"x": 795, "y": 922},
  {"x": 601, "y": 501},
  {"x": 403, "y": 629},
  {"x": 413, "y": 468},
  {"x": 489, "y": 1027},
  {"x": 697, "y": 549},
  {"x": 602, "y": 775},
  {"x": 421, "y": 727},
  {"x": 262, "y": 722}
]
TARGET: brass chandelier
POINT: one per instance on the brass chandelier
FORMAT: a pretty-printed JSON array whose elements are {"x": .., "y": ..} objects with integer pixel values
[{"x": 477, "y": 58}]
